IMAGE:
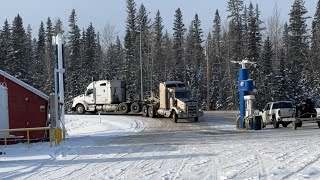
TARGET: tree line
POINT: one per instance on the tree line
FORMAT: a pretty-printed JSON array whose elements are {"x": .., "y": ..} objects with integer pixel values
[{"x": 286, "y": 53}]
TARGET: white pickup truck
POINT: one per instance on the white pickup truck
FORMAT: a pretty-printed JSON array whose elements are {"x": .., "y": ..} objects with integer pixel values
[{"x": 274, "y": 112}]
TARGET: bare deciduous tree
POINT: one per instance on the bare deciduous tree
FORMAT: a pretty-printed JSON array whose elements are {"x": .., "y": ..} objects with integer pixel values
[
  {"x": 275, "y": 31},
  {"x": 108, "y": 36}
]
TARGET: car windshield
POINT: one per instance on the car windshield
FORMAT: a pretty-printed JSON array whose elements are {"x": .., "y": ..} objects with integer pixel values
[
  {"x": 282, "y": 105},
  {"x": 184, "y": 94}
]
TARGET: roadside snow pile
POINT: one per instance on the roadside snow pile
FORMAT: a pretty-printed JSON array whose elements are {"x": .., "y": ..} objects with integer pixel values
[{"x": 82, "y": 125}]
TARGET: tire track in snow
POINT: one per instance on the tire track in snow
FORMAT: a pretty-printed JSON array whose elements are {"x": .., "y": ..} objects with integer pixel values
[{"x": 310, "y": 162}]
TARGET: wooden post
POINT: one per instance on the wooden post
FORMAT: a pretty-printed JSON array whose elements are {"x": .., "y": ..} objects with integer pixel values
[{"x": 28, "y": 137}]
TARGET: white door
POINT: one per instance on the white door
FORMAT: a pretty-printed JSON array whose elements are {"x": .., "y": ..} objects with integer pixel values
[
  {"x": 266, "y": 112},
  {"x": 4, "y": 115}
]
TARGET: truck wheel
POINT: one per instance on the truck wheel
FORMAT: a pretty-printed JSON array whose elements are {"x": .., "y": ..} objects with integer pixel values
[
  {"x": 123, "y": 108},
  {"x": 299, "y": 124},
  {"x": 318, "y": 124},
  {"x": 151, "y": 112},
  {"x": 135, "y": 107},
  {"x": 80, "y": 109},
  {"x": 275, "y": 123},
  {"x": 284, "y": 124},
  {"x": 175, "y": 116},
  {"x": 145, "y": 111}
]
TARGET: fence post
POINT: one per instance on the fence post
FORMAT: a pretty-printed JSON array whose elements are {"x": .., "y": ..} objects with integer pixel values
[{"x": 28, "y": 137}]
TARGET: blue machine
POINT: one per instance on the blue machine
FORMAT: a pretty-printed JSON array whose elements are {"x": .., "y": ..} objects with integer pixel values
[{"x": 245, "y": 86}]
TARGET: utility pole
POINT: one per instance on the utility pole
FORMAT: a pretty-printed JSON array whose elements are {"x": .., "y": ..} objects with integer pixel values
[{"x": 208, "y": 76}]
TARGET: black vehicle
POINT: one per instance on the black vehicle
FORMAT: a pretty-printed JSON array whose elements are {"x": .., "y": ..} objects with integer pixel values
[{"x": 305, "y": 110}]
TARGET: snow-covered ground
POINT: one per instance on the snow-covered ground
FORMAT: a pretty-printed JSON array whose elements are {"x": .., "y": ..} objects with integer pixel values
[{"x": 132, "y": 147}]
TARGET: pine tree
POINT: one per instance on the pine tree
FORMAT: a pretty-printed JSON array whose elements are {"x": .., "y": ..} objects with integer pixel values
[
  {"x": 236, "y": 51},
  {"x": 41, "y": 74},
  {"x": 5, "y": 38},
  {"x": 298, "y": 52},
  {"x": 146, "y": 45},
  {"x": 58, "y": 28},
  {"x": 131, "y": 59},
  {"x": 315, "y": 54},
  {"x": 199, "y": 63},
  {"x": 218, "y": 94},
  {"x": 49, "y": 58},
  {"x": 265, "y": 89},
  {"x": 167, "y": 59},
  {"x": 30, "y": 57},
  {"x": 157, "y": 52},
  {"x": 90, "y": 61},
  {"x": 17, "y": 65},
  {"x": 179, "y": 70},
  {"x": 74, "y": 78}
]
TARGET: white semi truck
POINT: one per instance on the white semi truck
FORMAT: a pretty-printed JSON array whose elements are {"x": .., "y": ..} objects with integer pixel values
[{"x": 110, "y": 96}]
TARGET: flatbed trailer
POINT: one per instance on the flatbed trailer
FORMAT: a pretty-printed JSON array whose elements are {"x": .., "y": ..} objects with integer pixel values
[{"x": 297, "y": 122}]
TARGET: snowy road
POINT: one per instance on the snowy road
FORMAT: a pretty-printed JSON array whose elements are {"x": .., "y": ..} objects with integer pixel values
[{"x": 134, "y": 147}]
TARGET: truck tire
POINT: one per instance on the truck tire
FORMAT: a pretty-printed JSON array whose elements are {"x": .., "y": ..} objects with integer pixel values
[
  {"x": 284, "y": 124},
  {"x": 275, "y": 123},
  {"x": 145, "y": 111},
  {"x": 151, "y": 112},
  {"x": 80, "y": 109},
  {"x": 123, "y": 108},
  {"x": 196, "y": 119},
  {"x": 135, "y": 107},
  {"x": 175, "y": 116},
  {"x": 299, "y": 124},
  {"x": 318, "y": 124}
]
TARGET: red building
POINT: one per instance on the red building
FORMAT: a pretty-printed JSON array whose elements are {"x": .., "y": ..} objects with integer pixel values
[{"x": 27, "y": 106}]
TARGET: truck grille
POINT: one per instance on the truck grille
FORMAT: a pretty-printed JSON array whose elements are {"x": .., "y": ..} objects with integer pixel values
[{"x": 192, "y": 109}]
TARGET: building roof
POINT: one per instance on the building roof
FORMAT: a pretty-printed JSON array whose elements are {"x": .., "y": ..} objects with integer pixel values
[{"x": 25, "y": 85}]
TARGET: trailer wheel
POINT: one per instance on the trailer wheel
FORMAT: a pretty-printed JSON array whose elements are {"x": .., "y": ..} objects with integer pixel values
[
  {"x": 124, "y": 108},
  {"x": 145, "y": 111},
  {"x": 151, "y": 112},
  {"x": 275, "y": 123},
  {"x": 135, "y": 107},
  {"x": 175, "y": 116},
  {"x": 80, "y": 109}
]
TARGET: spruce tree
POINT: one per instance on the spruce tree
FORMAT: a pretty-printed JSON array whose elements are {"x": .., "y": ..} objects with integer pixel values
[
  {"x": 58, "y": 27},
  {"x": 17, "y": 64},
  {"x": 49, "y": 58},
  {"x": 168, "y": 61},
  {"x": 146, "y": 45},
  {"x": 179, "y": 70},
  {"x": 298, "y": 52},
  {"x": 90, "y": 60},
  {"x": 131, "y": 58},
  {"x": 41, "y": 74},
  {"x": 5, "y": 44},
  {"x": 74, "y": 78},
  {"x": 30, "y": 57},
  {"x": 157, "y": 52}
]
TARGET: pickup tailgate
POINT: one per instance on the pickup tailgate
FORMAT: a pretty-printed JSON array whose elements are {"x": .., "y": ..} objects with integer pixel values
[{"x": 286, "y": 112}]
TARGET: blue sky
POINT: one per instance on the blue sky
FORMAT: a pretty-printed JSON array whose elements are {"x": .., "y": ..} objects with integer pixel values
[{"x": 99, "y": 12}]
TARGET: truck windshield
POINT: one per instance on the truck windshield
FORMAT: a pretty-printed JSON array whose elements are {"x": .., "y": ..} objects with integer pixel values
[
  {"x": 282, "y": 105},
  {"x": 185, "y": 94}
]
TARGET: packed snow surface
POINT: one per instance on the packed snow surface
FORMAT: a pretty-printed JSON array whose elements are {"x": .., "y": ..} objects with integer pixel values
[{"x": 132, "y": 147}]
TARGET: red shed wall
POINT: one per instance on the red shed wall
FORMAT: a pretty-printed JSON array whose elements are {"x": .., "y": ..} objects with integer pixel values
[{"x": 24, "y": 109}]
